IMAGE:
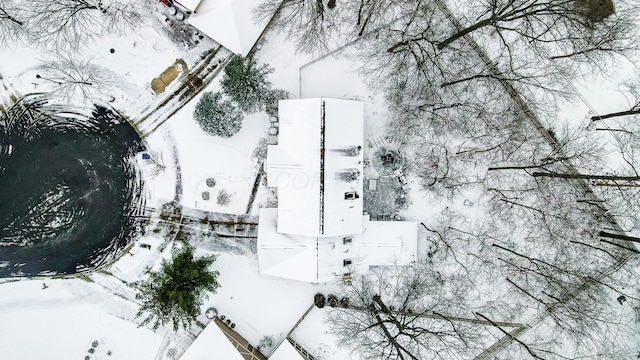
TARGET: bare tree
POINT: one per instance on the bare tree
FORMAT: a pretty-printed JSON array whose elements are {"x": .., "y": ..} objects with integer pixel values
[
  {"x": 571, "y": 27},
  {"x": 6, "y": 15},
  {"x": 74, "y": 80},
  {"x": 307, "y": 23},
  {"x": 404, "y": 313},
  {"x": 67, "y": 24}
]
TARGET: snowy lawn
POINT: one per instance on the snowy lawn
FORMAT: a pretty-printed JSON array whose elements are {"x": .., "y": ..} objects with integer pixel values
[
  {"x": 62, "y": 321},
  {"x": 159, "y": 169},
  {"x": 259, "y": 305},
  {"x": 229, "y": 161},
  {"x": 314, "y": 335}
]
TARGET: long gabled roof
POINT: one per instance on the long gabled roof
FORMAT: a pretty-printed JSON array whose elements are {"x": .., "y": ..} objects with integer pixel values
[{"x": 316, "y": 165}]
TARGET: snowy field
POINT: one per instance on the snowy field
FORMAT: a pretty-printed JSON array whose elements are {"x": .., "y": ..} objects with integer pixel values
[{"x": 62, "y": 321}]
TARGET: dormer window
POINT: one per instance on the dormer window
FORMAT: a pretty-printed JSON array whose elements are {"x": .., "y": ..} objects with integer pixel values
[{"x": 347, "y": 240}]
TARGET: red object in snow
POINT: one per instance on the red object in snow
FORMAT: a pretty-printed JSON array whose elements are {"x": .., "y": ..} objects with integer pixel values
[{"x": 167, "y": 2}]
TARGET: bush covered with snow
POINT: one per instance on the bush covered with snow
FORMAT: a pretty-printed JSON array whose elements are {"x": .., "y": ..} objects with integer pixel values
[
  {"x": 224, "y": 197},
  {"x": 265, "y": 343},
  {"x": 319, "y": 300},
  {"x": 245, "y": 82},
  {"x": 217, "y": 115},
  {"x": 332, "y": 300}
]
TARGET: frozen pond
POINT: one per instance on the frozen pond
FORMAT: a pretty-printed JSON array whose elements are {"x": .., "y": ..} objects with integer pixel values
[{"x": 68, "y": 198}]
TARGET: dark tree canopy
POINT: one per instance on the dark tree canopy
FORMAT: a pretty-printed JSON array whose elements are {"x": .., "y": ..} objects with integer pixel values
[
  {"x": 245, "y": 82},
  {"x": 174, "y": 294},
  {"x": 217, "y": 115}
]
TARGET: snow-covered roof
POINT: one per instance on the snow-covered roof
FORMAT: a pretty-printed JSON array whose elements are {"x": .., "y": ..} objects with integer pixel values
[
  {"x": 282, "y": 255},
  {"x": 211, "y": 344},
  {"x": 318, "y": 232},
  {"x": 286, "y": 351},
  {"x": 190, "y": 4},
  {"x": 315, "y": 259},
  {"x": 319, "y": 149},
  {"x": 387, "y": 243},
  {"x": 229, "y": 22}
]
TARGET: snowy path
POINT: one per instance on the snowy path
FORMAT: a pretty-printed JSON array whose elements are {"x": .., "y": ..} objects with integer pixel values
[{"x": 156, "y": 114}]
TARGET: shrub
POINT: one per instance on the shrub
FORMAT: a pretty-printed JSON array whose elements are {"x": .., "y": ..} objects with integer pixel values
[
  {"x": 344, "y": 302},
  {"x": 245, "y": 82},
  {"x": 332, "y": 300},
  {"x": 319, "y": 300},
  {"x": 217, "y": 116},
  {"x": 271, "y": 104},
  {"x": 223, "y": 198},
  {"x": 265, "y": 343}
]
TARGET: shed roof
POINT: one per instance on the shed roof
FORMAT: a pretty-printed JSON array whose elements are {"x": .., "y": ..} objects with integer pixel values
[
  {"x": 211, "y": 344},
  {"x": 192, "y": 5}
]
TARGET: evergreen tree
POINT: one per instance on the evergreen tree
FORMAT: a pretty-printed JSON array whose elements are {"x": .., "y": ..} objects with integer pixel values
[
  {"x": 174, "y": 294},
  {"x": 245, "y": 82},
  {"x": 217, "y": 116}
]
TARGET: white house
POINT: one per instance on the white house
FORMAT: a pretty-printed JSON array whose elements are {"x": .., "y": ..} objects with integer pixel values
[
  {"x": 318, "y": 232},
  {"x": 231, "y": 23}
]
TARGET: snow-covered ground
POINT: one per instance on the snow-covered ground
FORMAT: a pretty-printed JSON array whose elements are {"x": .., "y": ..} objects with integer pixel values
[
  {"x": 259, "y": 305},
  {"x": 229, "y": 161},
  {"x": 139, "y": 55},
  {"x": 63, "y": 319}
]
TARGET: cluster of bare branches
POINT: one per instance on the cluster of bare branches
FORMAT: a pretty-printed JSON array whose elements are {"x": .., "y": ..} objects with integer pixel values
[
  {"x": 404, "y": 312},
  {"x": 65, "y": 24},
  {"x": 74, "y": 80},
  {"x": 11, "y": 22},
  {"x": 314, "y": 16},
  {"x": 462, "y": 88}
]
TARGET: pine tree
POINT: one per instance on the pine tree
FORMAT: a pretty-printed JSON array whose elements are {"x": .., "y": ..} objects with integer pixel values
[
  {"x": 174, "y": 294},
  {"x": 217, "y": 116},
  {"x": 245, "y": 82}
]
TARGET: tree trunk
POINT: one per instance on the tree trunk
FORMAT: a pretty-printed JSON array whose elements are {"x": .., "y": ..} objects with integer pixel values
[
  {"x": 616, "y": 114},
  {"x": 5, "y": 15},
  {"x": 619, "y": 236},
  {"x": 587, "y": 177},
  {"x": 446, "y": 42},
  {"x": 620, "y": 246}
]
